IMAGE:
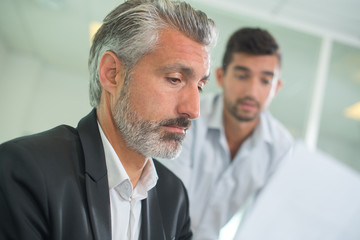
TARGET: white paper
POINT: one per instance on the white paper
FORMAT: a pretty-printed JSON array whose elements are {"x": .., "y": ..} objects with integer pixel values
[{"x": 311, "y": 197}]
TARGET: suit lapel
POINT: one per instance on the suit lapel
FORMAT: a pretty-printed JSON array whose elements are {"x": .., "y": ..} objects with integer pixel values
[
  {"x": 97, "y": 187},
  {"x": 152, "y": 225}
]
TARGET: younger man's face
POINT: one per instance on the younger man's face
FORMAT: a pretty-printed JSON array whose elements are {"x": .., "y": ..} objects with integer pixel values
[{"x": 249, "y": 84}]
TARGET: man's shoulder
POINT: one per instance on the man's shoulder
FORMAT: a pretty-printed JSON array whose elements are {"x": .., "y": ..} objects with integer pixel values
[
  {"x": 43, "y": 145},
  {"x": 42, "y": 158},
  {"x": 279, "y": 133},
  {"x": 59, "y": 133}
]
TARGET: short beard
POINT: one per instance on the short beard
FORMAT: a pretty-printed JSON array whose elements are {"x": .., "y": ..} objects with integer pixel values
[
  {"x": 146, "y": 137},
  {"x": 233, "y": 109}
]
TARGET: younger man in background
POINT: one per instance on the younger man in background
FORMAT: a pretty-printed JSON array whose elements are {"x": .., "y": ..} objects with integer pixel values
[{"x": 235, "y": 145}]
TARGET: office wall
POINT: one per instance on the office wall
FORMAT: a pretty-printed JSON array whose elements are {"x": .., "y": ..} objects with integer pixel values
[
  {"x": 3, "y": 53},
  {"x": 35, "y": 96},
  {"x": 339, "y": 135}
]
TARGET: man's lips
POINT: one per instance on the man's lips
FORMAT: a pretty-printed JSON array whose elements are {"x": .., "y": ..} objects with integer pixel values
[
  {"x": 176, "y": 129},
  {"x": 177, "y": 125},
  {"x": 248, "y": 105}
]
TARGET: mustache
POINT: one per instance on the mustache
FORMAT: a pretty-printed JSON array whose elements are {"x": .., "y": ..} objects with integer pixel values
[
  {"x": 180, "y": 122},
  {"x": 247, "y": 99}
]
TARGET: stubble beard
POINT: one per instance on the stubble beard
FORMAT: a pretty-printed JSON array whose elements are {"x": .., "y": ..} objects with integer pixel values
[
  {"x": 147, "y": 137},
  {"x": 234, "y": 110}
]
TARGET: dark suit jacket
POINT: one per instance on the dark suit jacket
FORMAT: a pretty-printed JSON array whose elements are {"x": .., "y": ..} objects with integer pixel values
[{"x": 53, "y": 185}]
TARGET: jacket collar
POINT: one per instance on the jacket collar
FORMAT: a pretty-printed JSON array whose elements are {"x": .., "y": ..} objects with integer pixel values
[
  {"x": 152, "y": 223},
  {"x": 97, "y": 187}
]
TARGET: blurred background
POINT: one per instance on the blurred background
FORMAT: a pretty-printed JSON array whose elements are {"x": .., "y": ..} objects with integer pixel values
[{"x": 44, "y": 47}]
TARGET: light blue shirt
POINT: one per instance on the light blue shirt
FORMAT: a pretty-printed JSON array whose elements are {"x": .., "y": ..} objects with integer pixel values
[{"x": 217, "y": 186}]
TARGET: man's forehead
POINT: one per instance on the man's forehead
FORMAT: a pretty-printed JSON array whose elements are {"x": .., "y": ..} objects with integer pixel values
[
  {"x": 268, "y": 62},
  {"x": 244, "y": 55},
  {"x": 183, "y": 52}
]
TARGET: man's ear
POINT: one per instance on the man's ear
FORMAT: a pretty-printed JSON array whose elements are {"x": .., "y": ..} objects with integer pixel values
[
  {"x": 278, "y": 86},
  {"x": 110, "y": 72},
  {"x": 219, "y": 76}
]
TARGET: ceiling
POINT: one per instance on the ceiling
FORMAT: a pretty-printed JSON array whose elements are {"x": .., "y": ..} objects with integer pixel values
[
  {"x": 55, "y": 30},
  {"x": 337, "y": 18}
]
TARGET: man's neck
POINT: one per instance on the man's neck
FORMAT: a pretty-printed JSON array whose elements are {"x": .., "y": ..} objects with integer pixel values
[
  {"x": 237, "y": 132},
  {"x": 132, "y": 161}
]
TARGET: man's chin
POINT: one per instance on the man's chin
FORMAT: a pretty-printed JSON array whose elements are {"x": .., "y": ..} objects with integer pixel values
[
  {"x": 167, "y": 153},
  {"x": 175, "y": 153},
  {"x": 247, "y": 116}
]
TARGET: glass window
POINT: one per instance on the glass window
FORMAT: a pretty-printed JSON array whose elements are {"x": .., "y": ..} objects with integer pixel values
[{"x": 339, "y": 135}]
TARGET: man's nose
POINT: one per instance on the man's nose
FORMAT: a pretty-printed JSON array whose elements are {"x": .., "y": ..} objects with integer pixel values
[
  {"x": 189, "y": 105},
  {"x": 252, "y": 86}
]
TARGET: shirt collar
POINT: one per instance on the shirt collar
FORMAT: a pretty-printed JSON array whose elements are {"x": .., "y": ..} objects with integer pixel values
[
  {"x": 263, "y": 129},
  {"x": 216, "y": 120},
  {"x": 117, "y": 174},
  {"x": 147, "y": 180}
]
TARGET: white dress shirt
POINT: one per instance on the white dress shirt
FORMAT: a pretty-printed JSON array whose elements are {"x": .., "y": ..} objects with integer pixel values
[
  {"x": 125, "y": 201},
  {"x": 219, "y": 187}
]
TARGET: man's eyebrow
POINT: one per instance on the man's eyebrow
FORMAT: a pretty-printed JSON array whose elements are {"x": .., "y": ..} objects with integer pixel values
[
  {"x": 177, "y": 67},
  {"x": 269, "y": 73},
  {"x": 242, "y": 68}
]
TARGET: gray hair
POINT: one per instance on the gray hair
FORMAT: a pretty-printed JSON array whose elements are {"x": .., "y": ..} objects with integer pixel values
[{"x": 131, "y": 31}]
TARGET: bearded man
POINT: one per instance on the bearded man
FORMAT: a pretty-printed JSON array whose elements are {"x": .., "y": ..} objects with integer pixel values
[{"x": 148, "y": 62}]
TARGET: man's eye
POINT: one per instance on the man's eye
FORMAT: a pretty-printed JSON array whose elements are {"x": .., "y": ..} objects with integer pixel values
[
  {"x": 265, "y": 81},
  {"x": 241, "y": 76},
  {"x": 173, "y": 80}
]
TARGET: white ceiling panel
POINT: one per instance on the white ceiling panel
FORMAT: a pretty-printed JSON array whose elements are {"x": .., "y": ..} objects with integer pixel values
[
  {"x": 341, "y": 17},
  {"x": 261, "y": 5}
]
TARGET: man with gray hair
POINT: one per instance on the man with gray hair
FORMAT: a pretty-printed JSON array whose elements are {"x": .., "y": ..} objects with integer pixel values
[{"x": 148, "y": 62}]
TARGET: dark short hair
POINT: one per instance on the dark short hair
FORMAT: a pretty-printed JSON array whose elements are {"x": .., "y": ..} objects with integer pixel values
[{"x": 253, "y": 41}]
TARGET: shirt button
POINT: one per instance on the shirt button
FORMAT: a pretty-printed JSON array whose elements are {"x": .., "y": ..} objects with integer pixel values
[
  {"x": 125, "y": 190},
  {"x": 127, "y": 186}
]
